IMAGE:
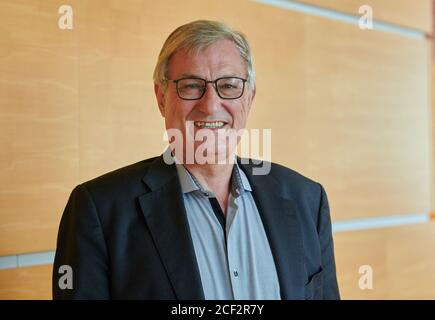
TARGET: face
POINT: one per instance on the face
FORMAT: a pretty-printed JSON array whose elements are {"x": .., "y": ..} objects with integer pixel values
[{"x": 221, "y": 59}]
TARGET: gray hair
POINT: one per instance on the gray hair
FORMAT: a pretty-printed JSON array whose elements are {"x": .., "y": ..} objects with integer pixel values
[{"x": 197, "y": 35}]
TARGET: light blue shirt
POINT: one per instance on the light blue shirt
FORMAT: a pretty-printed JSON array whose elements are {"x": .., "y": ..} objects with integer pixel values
[{"x": 236, "y": 263}]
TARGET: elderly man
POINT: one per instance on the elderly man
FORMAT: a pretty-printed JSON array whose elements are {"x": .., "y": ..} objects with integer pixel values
[{"x": 198, "y": 229}]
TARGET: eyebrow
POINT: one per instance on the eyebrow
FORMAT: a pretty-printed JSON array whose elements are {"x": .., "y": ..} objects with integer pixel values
[{"x": 187, "y": 75}]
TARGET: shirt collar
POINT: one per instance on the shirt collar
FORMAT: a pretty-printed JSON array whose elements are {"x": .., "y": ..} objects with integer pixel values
[
  {"x": 189, "y": 183},
  {"x": 186, "y": 179}
]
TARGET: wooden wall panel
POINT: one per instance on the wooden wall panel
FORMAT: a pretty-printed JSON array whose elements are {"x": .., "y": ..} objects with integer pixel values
[
  {"x": 432, "y": 79},
  {"x": 400, "y": 257},
  {"x": 348, "y": 108},
  {"x": 120, "y": 123},
  {"x": 407, "y": 13},
  {"x": 368, "y": 107},
  {"x": 30, "y": 283},
  {"x": 38, "y": 123}
]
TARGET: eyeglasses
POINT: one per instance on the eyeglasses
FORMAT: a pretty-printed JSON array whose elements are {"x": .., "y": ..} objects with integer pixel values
[{"x": 194, "y": 88}]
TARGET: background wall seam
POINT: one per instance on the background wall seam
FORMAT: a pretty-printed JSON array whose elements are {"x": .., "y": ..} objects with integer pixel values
[
  {"x": 47, "y": 257},
  {"x": 343, "y": 17}
]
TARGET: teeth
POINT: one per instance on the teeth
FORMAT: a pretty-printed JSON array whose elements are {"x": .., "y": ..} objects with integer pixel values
[{"x": 202, "y": 124}]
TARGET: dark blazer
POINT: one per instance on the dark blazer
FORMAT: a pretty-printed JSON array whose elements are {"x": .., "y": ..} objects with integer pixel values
[{"x": 126, "y": 236}]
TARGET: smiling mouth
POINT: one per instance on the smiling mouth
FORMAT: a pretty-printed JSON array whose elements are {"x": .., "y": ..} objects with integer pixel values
[{"x": 209, "y": 125}]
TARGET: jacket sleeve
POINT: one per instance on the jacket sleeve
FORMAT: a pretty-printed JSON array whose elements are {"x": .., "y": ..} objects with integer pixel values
[
  {"x": 80, "y": 269},
  {"x": 329, "y": 278}
]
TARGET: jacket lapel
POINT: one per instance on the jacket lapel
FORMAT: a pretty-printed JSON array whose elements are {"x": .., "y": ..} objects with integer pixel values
[
  {"x": 279, "y": 216},
  {"x": 164, "y": 212}
]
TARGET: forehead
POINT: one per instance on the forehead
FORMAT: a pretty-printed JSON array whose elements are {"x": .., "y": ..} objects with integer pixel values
[{"x": 221, "y": 57}]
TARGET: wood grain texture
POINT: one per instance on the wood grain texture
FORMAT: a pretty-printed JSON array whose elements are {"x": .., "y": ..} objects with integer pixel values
[
  {"x": 38, "y": 123},
  {"x": 401, "y": 259},
  {"x": 348, "y": 108},
  {"x": 432, "y": 119},
  {"x": 367, "y": 101},
  {"x": 407, "y": 13},
  {"x": 30, "y": 283}
]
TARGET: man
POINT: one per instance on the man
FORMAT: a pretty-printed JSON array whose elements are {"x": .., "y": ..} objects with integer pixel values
[{"x": 198, "y": 229}]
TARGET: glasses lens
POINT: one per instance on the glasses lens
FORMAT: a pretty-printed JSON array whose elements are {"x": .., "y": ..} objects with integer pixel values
[
  {"x": 190, "y": 88},
  {"x": 230, "y": 88}
]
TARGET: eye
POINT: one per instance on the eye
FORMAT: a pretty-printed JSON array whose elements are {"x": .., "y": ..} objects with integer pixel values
[
  {"x": 228, "y": 86},
  {"x": 191, "y": 86}
]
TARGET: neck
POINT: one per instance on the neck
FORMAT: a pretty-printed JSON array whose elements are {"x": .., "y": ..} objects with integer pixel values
[{"x": 213, "y": 177}]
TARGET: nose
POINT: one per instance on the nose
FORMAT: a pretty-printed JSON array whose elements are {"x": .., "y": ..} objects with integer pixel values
[{"x": 210, "y": 102}]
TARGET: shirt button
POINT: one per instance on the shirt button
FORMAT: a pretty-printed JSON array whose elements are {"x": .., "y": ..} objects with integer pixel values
[{"x": 236, "y": 274}]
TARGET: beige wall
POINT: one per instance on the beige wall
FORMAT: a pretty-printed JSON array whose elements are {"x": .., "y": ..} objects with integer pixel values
[
  {"x": 30, "y": 283},
  {"x": 400, "y": 257},
  {"x": 347, "y": 107}
]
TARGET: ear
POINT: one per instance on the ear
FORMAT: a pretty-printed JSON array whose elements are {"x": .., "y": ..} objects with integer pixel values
[
  {"x": 254, "y": 91},
  {"x": 160, "y": 96}
]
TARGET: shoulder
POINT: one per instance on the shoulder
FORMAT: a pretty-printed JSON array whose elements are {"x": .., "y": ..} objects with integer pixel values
[
  {"x": 297, "y": 186},
  {"x": 291, "y": 183},
  {"x": 292, "y": 179}
]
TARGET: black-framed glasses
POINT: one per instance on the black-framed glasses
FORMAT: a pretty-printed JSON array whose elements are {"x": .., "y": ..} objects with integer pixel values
[{"x": 194, "y": 88}]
